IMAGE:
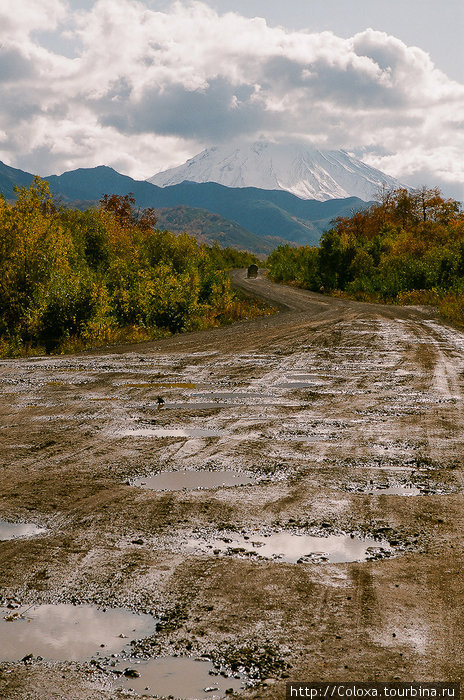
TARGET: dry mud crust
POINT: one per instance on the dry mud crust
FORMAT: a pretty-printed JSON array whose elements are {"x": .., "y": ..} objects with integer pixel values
[{"x": 323, "y": 395}]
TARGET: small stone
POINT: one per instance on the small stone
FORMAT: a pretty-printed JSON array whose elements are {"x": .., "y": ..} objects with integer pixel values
[{"x": 131, "y": 673}]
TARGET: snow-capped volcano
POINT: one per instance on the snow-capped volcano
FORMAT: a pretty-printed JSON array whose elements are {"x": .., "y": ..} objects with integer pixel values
[{"x": 306, "y": 172}]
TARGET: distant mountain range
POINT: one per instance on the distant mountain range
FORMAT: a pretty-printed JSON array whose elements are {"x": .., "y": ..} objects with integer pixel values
[
  {"x": 246, "y": 218},
  {"x": 305, "y": 172}
]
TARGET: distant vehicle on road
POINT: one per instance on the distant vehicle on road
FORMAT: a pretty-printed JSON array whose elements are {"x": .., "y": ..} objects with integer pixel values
[{"x": 252, "y": 271}]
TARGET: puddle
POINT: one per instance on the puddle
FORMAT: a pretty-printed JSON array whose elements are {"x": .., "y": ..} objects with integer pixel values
[
  {"x": 303, "y": 377},
  {"x": 68, "y": 632},
  {"x": 170, "y": 432},
  {"x": 175, "y": 385},
  {"x": 105, "y": 398},
  {"x": 394, "y": 490},
  {"x": 227, "y": 396},
  {"x": 179, "y": 677},
  {"x": 188, "y": 479},
  {"x": 12, "y": 531},
  {"x": 296, "y": 548},
  {"x": 297, "y": 385},
  {"x": 191, "y": 405}
]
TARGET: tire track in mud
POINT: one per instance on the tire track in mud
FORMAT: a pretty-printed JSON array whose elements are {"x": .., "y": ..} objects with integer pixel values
[{"x": 444, "y": 369}]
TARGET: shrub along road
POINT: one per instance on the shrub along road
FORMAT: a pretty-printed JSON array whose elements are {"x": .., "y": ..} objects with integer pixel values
[{"x": 323, "y": 405}]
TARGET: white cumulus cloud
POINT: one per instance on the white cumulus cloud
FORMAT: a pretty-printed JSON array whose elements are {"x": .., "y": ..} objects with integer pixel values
[{"x": 145, "y": 89}]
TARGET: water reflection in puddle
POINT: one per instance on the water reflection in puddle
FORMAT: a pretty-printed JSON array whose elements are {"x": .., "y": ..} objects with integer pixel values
[
  {"x": 297, "y": 385},
  {"x": 175, "y": 385},
  {"x": 170, "y": 432},
  {"x": 180, "y": 677},
  {"x": 11, "y": 531},
  {"x": 295, "y": 548},
  {"x": 303, "y": 377},
  {"x": 68, "y": 632},
  {"x": 187, "y": 479},
  {"x": 228, "y": 396},
  {"x": 395, "y": 490}
]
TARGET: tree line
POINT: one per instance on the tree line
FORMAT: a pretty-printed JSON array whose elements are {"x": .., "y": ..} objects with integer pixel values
[
  {"x": 71, "y": 279},
  {"x": 406, "y": 248}
]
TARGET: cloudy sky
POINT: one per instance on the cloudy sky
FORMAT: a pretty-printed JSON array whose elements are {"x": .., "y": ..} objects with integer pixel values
[{"x": 142, "y": 85}]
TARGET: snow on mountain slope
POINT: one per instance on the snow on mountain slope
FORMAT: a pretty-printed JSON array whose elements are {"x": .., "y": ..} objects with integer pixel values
[{"x": 306, "y": 172}]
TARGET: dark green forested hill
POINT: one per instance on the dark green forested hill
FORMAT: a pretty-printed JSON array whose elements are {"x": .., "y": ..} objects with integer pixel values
[
  {"x": 263, "y": 213},
  {"x": 209, "y": 228}
]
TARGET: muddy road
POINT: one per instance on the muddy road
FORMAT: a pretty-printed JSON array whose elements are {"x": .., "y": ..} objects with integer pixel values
[{"x": 335, "y": 552}]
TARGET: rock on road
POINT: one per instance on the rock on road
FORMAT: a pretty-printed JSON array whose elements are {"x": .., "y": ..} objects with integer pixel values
[{"x": 323, "y": 405}]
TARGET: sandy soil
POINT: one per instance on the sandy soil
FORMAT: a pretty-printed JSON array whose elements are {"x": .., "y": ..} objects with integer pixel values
[{"x": 321, "y": 403}]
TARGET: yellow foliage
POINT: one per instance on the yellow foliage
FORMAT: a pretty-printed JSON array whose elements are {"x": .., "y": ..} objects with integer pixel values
[{"x": 71, "y": 279}]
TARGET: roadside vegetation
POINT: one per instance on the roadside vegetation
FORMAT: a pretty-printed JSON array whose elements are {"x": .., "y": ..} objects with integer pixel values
[
  {"x": 406, "y": 249},
  {"x": 72, "y": 279}
]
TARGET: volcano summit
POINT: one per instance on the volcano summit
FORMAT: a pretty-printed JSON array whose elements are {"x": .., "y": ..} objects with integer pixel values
[{"x": 303, "y": 171}]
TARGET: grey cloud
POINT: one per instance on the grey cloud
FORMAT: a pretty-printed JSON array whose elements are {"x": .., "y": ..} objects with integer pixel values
[
  {"x": 199, "y": 114},
  {"x": 18, "y": 107},
  {"x": 350, "y": 85},
  {"x": 282, "y": 71},
  {"x": 353, "y": 87},
  {"x": 13, "y": 66},
  {"x": 40, "y": 160},
  {"x": 430, "y": 177}
]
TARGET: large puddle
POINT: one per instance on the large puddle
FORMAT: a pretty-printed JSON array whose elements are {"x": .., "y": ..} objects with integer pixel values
[
  {"x": 179, "y": 677},
  {"x": 12, "y": 531},
  {"x": 297, "y": 385},
  {"x": 68, "y": 632},
  {"x": 170, "y": 432},
  {"x": 391, "y": 489},
  {"x": 295, "y": 548},
  {"x": 226, "y": 397},
  {"x": 188, "y": 479},
  {"x": 395, "y": 490}
]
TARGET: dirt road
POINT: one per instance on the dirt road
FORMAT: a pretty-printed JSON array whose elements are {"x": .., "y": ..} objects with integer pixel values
[{"x": 344, "y": 418}]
